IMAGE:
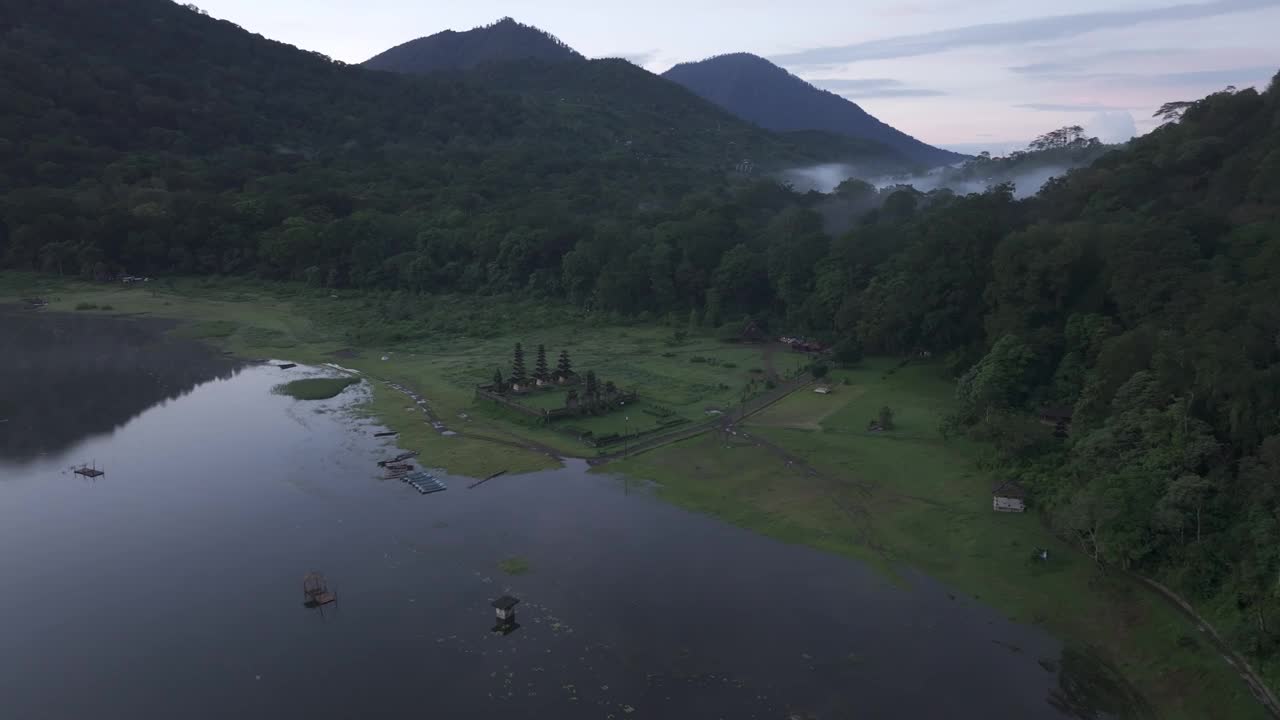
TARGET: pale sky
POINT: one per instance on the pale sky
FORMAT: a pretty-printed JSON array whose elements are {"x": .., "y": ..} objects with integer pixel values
[{"x": 971, "y": 75}]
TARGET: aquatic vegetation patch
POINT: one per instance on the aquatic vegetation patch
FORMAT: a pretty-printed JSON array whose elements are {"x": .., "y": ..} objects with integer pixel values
[
  {"x": 315, "y": 388},
  {"x": 514, "y": 565}
]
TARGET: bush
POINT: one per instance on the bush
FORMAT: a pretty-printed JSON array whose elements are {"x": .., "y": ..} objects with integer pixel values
[
  {"x": 819, "y": 370},
  {"x": 106, "y": 307},
  {"x": 86, "y": 306},
  {"x": 729, "y": 365},
  {"x": 668, "y": 354},
  {"x": 697, "y": 359},
  {"x": 886, "y": 417},
  {"x": 756, "y": 371}
]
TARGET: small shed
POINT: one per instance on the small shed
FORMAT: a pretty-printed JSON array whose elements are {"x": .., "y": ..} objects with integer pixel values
[
  {"x": 1009, "y": 496},
  {"x": 506, "y": 607},
  {"x": 822, "y": 390}
]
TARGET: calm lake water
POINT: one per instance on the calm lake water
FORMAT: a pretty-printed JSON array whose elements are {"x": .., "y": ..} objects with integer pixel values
[{"x": 171, "y": 587}]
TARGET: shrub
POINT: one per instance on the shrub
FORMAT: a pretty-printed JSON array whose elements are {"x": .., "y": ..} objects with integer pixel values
[
  {"x": 697, "y": 359},
  {"x": 886, "y": 417},
  {"x": 729, "y": 365},
  {"x": 819, "y": 370},
  {"x": 86, "y": 306}
]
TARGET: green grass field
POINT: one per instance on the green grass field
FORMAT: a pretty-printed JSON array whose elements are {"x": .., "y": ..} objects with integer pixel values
[
  {"x": 455, "y": 344},
  {"x": 909, "y": 497}
]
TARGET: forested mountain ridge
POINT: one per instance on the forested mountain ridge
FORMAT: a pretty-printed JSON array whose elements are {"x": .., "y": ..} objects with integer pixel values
[
  {"x": 148, "y": 136},
  {"x": 759, "y": 91},
  {"x": 503, "y": 41},
  {"x": 609, "y": 93}
]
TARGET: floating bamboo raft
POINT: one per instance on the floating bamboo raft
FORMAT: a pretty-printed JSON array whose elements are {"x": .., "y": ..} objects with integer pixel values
[
  {"x": 424, "y": 482},
  {"x": 90, "y": 471}
]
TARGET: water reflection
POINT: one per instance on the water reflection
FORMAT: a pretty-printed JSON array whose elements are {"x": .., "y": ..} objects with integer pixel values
[
  {"x": 218, "y": 503},
  {"x": 65, "y": 377}
]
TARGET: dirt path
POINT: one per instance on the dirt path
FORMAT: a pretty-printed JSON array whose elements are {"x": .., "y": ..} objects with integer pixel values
[{"x": 1260, "y": 691}]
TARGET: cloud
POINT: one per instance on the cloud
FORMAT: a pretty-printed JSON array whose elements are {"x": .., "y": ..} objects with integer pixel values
[
  {"x": 1017, "y": 32},
  {"x": 873, "y": 88},
  {"x": 1240, "y": 76},
  {"x": 1069, "y": 107},
  {"x": 894, "y": 92},
  {"x": 1080, "y": 62},
  {"x": 638, "y": 58},
  {"x": 1112, "y": 127}
]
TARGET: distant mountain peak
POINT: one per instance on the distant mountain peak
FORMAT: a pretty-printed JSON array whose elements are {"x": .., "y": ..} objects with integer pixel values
[
  {"x": 761, "y": 92},
  {"x": 504, "y": 40}
]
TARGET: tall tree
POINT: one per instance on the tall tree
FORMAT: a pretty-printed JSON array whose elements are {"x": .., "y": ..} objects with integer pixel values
[
  {"x": 517, "y": 364},
  {"x": 564, "y": 367},
  {"x": 540, "y": 366}
]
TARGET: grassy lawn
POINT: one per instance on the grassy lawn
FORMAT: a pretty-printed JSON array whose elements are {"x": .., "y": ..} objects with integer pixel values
[
  {"x": 908, "y": 497},
  {"x": 455, "y": 345}
]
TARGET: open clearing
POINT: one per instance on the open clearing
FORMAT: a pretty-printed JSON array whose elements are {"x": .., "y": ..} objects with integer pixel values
[{"x": 907, "y": 497}]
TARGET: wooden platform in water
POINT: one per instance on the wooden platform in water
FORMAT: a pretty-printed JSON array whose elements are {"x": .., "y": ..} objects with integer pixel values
[
  {"x": 90, "y": 472},
  {"x": 399, "y": 458},
  {"x": 425, "y": 483}
]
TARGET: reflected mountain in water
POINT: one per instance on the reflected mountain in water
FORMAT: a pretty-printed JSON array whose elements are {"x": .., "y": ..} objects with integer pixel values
[{"x": 65, "y": 377}]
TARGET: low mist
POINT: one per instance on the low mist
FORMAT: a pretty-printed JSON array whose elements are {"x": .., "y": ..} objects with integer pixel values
[{"x": 827, "y": 177}]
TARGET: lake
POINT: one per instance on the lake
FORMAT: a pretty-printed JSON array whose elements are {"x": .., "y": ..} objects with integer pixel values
[{"x": 172, "y": 585}]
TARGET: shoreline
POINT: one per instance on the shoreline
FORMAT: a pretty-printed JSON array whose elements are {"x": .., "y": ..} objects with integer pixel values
[{"x": 273, "y": 325}]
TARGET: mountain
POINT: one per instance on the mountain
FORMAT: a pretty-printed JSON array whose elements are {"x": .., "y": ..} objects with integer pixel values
[
  {"x": 755, "y": 89},
  {"x": 151, "y": 138},
  {"x": 638, "y": 108},
  {"x": 504, "y": 41},
  {"x": 628, "y": 105}
]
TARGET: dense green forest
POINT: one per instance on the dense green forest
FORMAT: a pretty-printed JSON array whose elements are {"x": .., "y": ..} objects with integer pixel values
[
  {"x": 146, "y": 137},
  {"x": 1139, "y": 291}
]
